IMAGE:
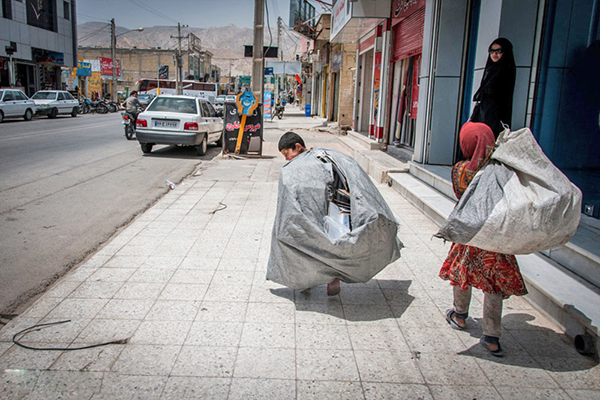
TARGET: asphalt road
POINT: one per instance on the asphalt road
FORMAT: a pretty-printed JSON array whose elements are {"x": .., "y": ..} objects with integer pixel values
[{"x": 66, "y": 186}]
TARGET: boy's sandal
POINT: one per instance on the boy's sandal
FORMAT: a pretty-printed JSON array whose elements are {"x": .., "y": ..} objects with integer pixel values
[
  {"x": 492, "y": 340},
  {"x": 449, "y": 313}
]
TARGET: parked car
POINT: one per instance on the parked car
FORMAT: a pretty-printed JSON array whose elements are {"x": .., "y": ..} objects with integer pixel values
[
  {"x": 230, "y": 98},
  {"x": 145, "y": 98},
  {"x": 180, "y": 120},
  {"x": 14, "y": 103},
  {"x": 54, "y": 102},
  {"x": 219, "y": 105}
]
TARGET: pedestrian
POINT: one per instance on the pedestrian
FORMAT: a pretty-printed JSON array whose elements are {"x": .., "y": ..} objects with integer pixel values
[
  {"x": 495, "y": 94},
  {"x": 131, "y": 105},
  {"x": 496, "y": 274}
]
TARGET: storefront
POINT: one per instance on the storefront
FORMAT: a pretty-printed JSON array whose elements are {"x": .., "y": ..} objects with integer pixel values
[
  {"x": 363, "y": 112},
  {"x": 408, "y": 19}
]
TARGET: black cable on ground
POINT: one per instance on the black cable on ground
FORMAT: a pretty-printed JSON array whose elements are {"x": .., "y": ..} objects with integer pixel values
[
  {"x": 220, "y": 208},
  {"x": 41, "y": 326}
]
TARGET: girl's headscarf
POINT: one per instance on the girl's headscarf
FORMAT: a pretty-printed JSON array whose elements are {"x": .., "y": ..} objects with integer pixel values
[
  {"x": 501, "y": 73},
  {"x": 477, "y": 145}
]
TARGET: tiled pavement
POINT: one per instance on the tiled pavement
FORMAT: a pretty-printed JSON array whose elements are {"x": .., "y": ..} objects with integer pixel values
[{"x": 185, "y": 283}]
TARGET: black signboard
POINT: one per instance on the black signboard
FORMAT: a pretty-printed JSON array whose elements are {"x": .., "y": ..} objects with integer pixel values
[
  {"x": 163, "y": 72},
  {"x": 252, "y": 136},
  {"x": 268, "y": 51},
  {"x": 42, "y": 14}
]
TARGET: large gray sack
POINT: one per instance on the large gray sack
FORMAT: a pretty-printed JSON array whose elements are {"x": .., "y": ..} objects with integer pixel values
[
  {"x": 519, "y": 203},
  {"x": 302, "y": 253}
]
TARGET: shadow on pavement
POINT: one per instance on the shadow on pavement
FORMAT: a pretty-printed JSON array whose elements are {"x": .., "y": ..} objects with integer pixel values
[{"x": 185, "y": 152}]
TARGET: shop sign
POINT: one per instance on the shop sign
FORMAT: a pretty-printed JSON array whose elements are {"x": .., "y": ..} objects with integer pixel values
[
  {"x": 41, "y": 56},
  {"x": 336, "y": 61},
  {"x": 340, "y": 15},
  {"x": 95, "y": 82},
  {"x": 403, "y": 8},
  {"x": 84, "y": 69},
  {"x": 376, "y": 86},
  {"x": 106, "y": 66}
]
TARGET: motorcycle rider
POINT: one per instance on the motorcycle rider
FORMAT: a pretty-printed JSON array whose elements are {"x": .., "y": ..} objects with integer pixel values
[{"x": 131, "y": 105}]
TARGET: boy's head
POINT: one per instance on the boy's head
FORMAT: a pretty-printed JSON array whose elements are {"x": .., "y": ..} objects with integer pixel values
[{"x": 290, "y": 145}]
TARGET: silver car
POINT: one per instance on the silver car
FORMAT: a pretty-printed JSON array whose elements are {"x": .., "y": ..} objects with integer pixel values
[
  {"x": 14, "y": 103},
  {"x": 54, "y": 102},
  {"x": 180, "y": 120}
]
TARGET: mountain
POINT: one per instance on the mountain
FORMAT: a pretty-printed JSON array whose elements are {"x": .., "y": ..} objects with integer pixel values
[{"x": 225, "y": 43}]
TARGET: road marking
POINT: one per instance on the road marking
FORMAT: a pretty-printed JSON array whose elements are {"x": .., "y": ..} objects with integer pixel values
[{"x": 46, "y": 133}]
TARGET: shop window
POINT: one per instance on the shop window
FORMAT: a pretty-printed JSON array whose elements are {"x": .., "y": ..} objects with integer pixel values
[
  {"x": 7, "y": 9},
  {"x": 42, "y": 14},
  {"x": 66, "y": 10}
]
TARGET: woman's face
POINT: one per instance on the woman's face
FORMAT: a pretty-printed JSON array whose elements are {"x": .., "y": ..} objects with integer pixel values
[{"x": 496, "y": 52}]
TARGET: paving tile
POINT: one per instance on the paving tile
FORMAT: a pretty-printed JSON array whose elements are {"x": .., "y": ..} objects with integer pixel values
[
  {"x": 125, "y": 309},
  {"x": 446, "y": 369},
  {"x": 271, "y": 313},
  {"x": 433, "y": 340},
  {"x": 523, "y": 320},
  {"x": 366, "y": 315},
  {"x": 204, "y": 333},
  {"x": 152, "y": 275},
  {"x": 62, "y": 289},
  {"x": 161, "y": 332},
  {"x": 582, "y": 373},
  {"x": 464, "y": 392},
  {"x": 419, "y": 317},
  {"x": 267, "y": 293},
  {"x": 223, "y": 311},
  {"x": 41, "y": 307},
  {"x": 545, "y": 343},
  {"x": 207, "y": 361},
  {"x": 96, "y": 290},
  {"x": 269, "y": 335},
  {"x": 280, "y": 389},
  {"x": 80, "y": 274},
  {"x": 320, "y": 313},
  {"x": 55, "y": 333},
  {"x": 327, "y": 365},
  {"x": 95, "y": 359},
  {"x": 328, "y": 390},
  {"x": 227, "y": 292},
  {"x": 255, "y": 362},
  {"x": 174, "y": 310},
  {"x": 112, "y": 274},
  {"x": 183, "y": 291},
  {"x": 193, "y": 388},
  {"x": 77, "y": 309},
  {"x": 18, "y": 358},
  {"x": 17, "y": 383},
  {"x": 146, "y": 360},
  {"x": 195, "y": 276},
  {"x": 384, "y": 391},
  {"x": 229, "y": 277},
  {"x": 583, "y": 394},
  {"x": 516, "y": 393},
  {"x": 387, "y": 366},
  {"x": 362, "y": 295},
  {"x": 522, "y": 372},
  {"x": 206, "y": 263},
  {"x": 106, "y": 330},
  {"x": 69, "y": 384},
  {"x": 140, "y": 290},
  {"x": 322, "y": 336},
  {"x": 131, "y": 387},
  {"x": 162, "y": 262},
  {"x": 315, "y": 295},
  {"x": 125, "y": 261},
  {"x": 378, "y": 337},
  {"x": 237, "y": 264}
]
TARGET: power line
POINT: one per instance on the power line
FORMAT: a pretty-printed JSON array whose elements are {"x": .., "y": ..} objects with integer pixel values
[
  {"x": 90, "y": 17},
  {"x": 151, "y": 10},
  {"x": 83, "y": 39}
]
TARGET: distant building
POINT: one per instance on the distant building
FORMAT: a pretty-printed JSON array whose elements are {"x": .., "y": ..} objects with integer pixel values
[{"x": 41, "y": 36}]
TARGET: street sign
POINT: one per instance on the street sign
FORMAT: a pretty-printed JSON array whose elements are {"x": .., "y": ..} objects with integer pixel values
[
  {"x": 268, "y": 71},
  {"x": 163, "y": 72},
  {"x": 268, "y": 51}
]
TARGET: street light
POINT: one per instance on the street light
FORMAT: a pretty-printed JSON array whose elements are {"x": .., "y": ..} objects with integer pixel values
[{"x": 113, "y": 51}]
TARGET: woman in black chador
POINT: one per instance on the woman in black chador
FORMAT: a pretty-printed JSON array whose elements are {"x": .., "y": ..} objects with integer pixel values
[{"x": 495, "y": 95}]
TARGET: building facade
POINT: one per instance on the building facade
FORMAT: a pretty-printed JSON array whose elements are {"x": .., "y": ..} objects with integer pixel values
[{"x": 37, "y": 38}]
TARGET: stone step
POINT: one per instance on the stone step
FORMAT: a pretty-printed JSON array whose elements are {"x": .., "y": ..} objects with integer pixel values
[{"x": 376, "y": 163}]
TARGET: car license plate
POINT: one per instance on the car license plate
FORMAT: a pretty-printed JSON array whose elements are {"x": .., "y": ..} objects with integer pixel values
[{"x": 165, "y": 124}]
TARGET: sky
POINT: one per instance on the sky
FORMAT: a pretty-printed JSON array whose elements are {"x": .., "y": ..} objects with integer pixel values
[{"x": 195, "y": 13}]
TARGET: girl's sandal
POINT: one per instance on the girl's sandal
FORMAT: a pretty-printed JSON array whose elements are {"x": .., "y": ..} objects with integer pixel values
[{"x": 449, "y": 313}]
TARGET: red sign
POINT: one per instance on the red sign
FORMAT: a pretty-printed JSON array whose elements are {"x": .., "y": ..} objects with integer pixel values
[
  {"x": 403, "y": 8},
  {"x": 415, "y": 87},
  {"x": 106, "y": 66}
]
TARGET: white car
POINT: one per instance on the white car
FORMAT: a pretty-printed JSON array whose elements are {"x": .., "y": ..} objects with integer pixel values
[
  {"x": 54, "y": 102},
  {"x": 180, "y": 120},
  {"x": 230, "y": 98},
  {"x": 14, "y": 103}
]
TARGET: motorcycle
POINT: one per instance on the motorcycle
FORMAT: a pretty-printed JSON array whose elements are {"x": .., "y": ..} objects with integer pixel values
[
  {"x": 113, "y": 106},
  {"x": 128, "y": 121},
  {"x": 84, "y": 107},
  {"x": 278, "y": 111}
]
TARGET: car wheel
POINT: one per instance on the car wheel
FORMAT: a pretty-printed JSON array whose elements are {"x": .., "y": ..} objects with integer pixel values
[
  {"x": 1, "y": 116},
  {"x": 220, "y": 141},
  {"x": 74, "y": 112},
  {"x": 28, "y": 115},
  {"x": 202, "y": 147},
  {"x": 146, "y": 147},
  {"x": 53, "y": 113}
]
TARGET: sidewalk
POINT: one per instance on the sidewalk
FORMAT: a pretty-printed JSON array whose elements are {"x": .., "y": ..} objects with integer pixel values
[{"x": 185, "y": 284}]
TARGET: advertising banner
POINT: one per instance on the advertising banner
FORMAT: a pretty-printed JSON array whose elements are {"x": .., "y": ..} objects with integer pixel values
[
  {"x": 106, "y": 66},
  {"x": 84, "y": 69},
  {"x": 252, "y": 136},
  {"x": 267, "y": 104}
]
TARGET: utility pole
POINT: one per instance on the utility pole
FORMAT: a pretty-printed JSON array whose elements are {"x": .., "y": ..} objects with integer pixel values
[
  {"x": 279, "y": 57},
  {"x": 113, "y": 54},
  {"x": 258, "y": 61},
  {"x": 179, "y": 60}
]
